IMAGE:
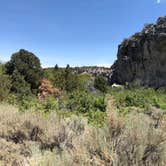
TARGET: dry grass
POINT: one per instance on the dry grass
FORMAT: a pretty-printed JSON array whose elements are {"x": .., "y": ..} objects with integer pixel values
[{"x": 30, "y": 139}]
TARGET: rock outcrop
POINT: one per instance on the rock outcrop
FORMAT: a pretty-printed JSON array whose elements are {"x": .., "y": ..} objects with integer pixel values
[
  {"x": 91, "y": 70},
  {"x": 142, "y": 57},
  {"x": 94, "y": 71}
]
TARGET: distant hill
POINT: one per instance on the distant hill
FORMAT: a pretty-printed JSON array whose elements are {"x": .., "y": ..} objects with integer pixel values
[{"x": 92, "y": 70}]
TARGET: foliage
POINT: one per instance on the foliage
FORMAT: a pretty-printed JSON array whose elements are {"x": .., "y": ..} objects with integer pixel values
[
  {"x": 56, "y": 67},
  {"x": 26, "y": 103},
  {"x": 84, "y": 102},
  {"x": 71, "y": 80},
  {"x": 12, "y": 99},
  {"x": 26, "y": 66},
  {"x": 85, "y": 82},
  {"x": 96, "y": 118},
  {"x": 63, "y": 79},
  {"x": 49, "y": 104},
  {"x": 72, "y": 83},
  {"x": 139, "y": 97},
  {"x": 46, "y": 89},
  {"x": 5, "y": 84},
  {"x": 56, "y": 76},
  {"x": 2, "y": 68},
  {"x": 19, "y": 85},
  {"x": 100, "y": 83}
]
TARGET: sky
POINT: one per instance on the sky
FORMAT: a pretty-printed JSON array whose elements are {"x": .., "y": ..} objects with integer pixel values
[{"x": 75, "y": 32}]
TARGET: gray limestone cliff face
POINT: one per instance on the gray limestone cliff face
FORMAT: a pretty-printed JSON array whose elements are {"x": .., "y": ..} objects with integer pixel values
[{"x": 142, "y": 57}]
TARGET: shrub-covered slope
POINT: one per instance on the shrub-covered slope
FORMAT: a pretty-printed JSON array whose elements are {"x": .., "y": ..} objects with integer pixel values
[{"x": 32, "y": 139}]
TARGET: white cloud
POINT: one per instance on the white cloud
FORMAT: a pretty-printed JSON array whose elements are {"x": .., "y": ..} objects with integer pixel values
[
  {"x": 103, "y": 65},
  {"x": 158, "y": 1}
]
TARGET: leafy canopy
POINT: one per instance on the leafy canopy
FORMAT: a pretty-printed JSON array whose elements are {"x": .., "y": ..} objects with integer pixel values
[{"x": 25, "y": 66}]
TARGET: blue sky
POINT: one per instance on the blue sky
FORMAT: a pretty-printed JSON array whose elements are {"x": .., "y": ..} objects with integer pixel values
[{"x": 75, "y": 32}]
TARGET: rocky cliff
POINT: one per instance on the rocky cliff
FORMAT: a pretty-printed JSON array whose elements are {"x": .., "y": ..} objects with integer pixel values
[{"x": 142, "y": 57}]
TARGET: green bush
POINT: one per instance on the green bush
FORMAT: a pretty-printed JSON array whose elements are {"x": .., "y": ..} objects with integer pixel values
[
  {"x": 19, "y": 85},
  {"x": 12, "y": 99},
  {"x": 85, "y": 82},
  {"x": 5, "y": 85},
  {"x": 99, "y": 104},
  {"x": 27, "y": 102},
  {"x": 71, "y": 80},
  {"x": 100, "y": 83},
  {"x": 91, "y": 106},
  {"x": 84, "y": 102},
  {"x": 59, "y": 79},
  {"x": 72, "y": 83},
  {"x": 139, "y": 97},
  {"x": 2, "y": 68},
  {"x": 49, "y": 104},
  {"x": 96, "y": 118}
]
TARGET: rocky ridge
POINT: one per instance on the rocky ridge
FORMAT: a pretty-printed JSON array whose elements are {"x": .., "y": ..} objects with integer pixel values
[
  {"x": 142, "y": 57},
  {"x": 93, "y": 70}
]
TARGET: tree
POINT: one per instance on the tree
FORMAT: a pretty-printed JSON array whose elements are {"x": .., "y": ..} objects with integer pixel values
[
  {"x": 56, "y": 67},
  {"x": 67, "y": 71},
  {"x": 72, "y": 83},
  {"x": 71, "y": 80},
  {"x": 19, "y": 85},
  {"x": 28, "y": 69},
  {"x": 5, "y": 85},
  {"x": 59, "y": 79},
  {"x": 100, "y": 83}
]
